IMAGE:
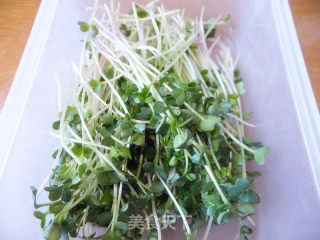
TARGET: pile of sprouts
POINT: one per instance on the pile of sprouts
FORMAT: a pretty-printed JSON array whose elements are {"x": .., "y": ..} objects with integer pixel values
[{"x": 153, "y": 125}]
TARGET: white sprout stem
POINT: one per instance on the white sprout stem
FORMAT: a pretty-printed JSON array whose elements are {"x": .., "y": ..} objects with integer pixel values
[
  {"x": 139, "y": 166},
  {"x": 154, "y": 211},
  {"x": 208, "y": 228},
  {"x": 176, "y": 204},
  {"x": 187, "y": 161},
  {"x": 214, "y": 43},
  {"x": 120, "y": 192},
  {"x": 235, "y": 139},
  {"x": 223, "y": 197},
  {"x": 193, "y": 111},
  {"x": 203, "y": 37},
  {"x": 251, "y": 221},
  {"x": 211, "y": 152},
  {"x": 80, "y": 141},
  {"x": 88, "y": 87},
  {"x": 213, "y": 155},
  {"x": 108, "y": 161},
  {"x": 83, "y": 124},
  {"x": 241, "y": 120},
  {"x": 110, "y": 85},
  {"x": 167, "y": 13},
  {"x": 114, "y": 207},
  {"x": 83, "y": 196}
]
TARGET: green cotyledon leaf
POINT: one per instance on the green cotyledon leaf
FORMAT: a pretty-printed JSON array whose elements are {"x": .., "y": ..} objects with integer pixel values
[
  {"x": 181, "y": 140},
  {"x": 246, "y": 209},
  {"x": 259, "y": 155},
  {"x": 52, "y": 232},
  {"x": 84, "y": 27},
  {"x": 157, "y": 187},
  {"x": 159, "y": 107},
  {"x": 209, "y": 122}
]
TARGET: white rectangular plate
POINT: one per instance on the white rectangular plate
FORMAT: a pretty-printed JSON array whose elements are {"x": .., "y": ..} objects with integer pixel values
[{"x": 278, "y": 92}]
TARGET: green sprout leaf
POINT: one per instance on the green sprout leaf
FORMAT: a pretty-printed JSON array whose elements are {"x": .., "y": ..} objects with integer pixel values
[
  {"x": 159, "y": 170},
  {"x": 173, "y": 161},
  {"x": 259, "y": 155},
  {"x": 244, "y": 230},
  {"x": 241, "y": 185},
  {"x": 178, "y": 181},
  {"x": 140, "y": 128},
  {"x": 148, "y": 166},
  {"x": 144, "y": 114},
  {"x": 246, "y": 116},
  {"x": 181, "y": 140},
  {"x": 156, "y": 187},
  {"x": 179, "y": 96},
  {"x": 138, "y": 139},
  {"x": 209, "y": 122},
  {"x": 107, "y": 178},
  {"x": 104, "y": 132},
  {"x": 223, "y": 216},
  {"x": 77, "y": 150},
  {"x": 240, "y": 88},
  {"x": 84, "y": 27},
  {"x": 141, "y": 13},
  {"x": 96, "y": 85},
  {"x": 245, "y": 209},
  {"x": 159, "y": 107},
  {"x": 42, "y": 216},
  {"x": 193, "y": 47},
  {"x": 109, "y": 72},
  {"x": 66, "y": 195},
  {"x": 125, "y": 29},
  {"x": 52, "y": 232},
  {"x": 254, "y": 174},
  {"x": 211, "y": 21},
  {"x": 126, "y": 129},
  {"x": 55, "y": 192},
  {"x": 249, "y": 196},
  {"x": 122, "y": 226},
  {"x": 191, "y": 177},
  {"x": 227, "y": 18},
  {"x": 82, "y": 169},
  {"x": 237, "y": 159},
  {"x": 95, "y": 30},
  {"x": 196, "y": 158},
  {"x": 56, "y": 125},
  {"x": 163, "y": 127},
  {"x": 39, "y": 214},
  {"x": 211, "y": 211},
  {"x": 106, "y": 119}
]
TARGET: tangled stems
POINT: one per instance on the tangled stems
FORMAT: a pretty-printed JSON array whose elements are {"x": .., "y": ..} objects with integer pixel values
[{"x": 152, "y": 125}]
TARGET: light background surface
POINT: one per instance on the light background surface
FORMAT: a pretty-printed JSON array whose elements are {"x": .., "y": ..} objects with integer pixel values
[{"x": 289, "y": 195}]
